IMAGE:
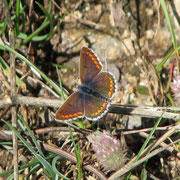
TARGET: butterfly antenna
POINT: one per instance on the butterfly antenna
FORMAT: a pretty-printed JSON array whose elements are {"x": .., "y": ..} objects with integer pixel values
[
  {"x": 105, "y": 59},
  {"x": 106, "y": 64}
]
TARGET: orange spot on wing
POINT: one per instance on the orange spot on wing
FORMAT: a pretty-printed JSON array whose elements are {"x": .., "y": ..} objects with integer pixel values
[
  {"x": 94, "y": 59},
  {"x": 98, "y": 66},
  {"x": 80, "y": 113},
  {"x": 70, "y": 115},
  {"x": 102, "y": 108},
  {"x": 75, "y": 115},
  {"x": 111, "y": 87}
]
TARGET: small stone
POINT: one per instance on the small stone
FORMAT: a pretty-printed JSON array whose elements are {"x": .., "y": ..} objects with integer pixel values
[
  {"x": 149, "y": 34},
  {"x": 149, "y": 12}
]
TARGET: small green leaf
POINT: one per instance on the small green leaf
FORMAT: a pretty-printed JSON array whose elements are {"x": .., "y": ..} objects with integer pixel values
[{"x": 142, "y": 90}]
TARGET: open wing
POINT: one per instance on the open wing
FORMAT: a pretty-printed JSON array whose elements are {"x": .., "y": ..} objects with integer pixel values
[
  {"x": 94, "y": 108},
  {"x": 105, "y": 84},
  {"x": 72, "y": 108},
  {"x": 90, "y": 65}
]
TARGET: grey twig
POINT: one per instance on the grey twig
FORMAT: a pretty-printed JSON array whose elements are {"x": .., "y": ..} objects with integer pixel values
[{"x": 143, "y": 111}]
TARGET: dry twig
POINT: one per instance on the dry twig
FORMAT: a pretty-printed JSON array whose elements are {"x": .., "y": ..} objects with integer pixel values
[{"x": 143, "y": 111}]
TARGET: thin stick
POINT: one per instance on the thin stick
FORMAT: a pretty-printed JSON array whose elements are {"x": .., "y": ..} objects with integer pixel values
[
  {"x": 13, "y": 85},
  {"x": 143, "y": 111}
]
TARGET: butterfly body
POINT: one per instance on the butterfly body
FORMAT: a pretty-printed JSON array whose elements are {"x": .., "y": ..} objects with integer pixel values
[
  {"x": 92, "y": 100},
  {"x": 86, "y": 90}
]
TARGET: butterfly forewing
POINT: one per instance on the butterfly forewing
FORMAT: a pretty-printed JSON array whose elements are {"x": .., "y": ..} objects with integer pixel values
[
  {"x": 94, "y": 108},
  {"x": 105, "y": 84},
  {"x": 72, "y": 109},
  {"x": 90, "y": 66}
]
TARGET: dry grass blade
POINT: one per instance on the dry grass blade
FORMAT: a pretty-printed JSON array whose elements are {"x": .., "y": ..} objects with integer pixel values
[{"x": 132, "y": 165}]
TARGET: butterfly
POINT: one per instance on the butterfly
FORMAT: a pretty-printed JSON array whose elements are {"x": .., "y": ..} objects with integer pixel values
[{"x": 94, "y": 95}]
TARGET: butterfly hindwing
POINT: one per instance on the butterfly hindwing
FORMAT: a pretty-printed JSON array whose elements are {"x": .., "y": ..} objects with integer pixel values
[
  {"x": 94, "y": 108},
  {"x": 105, "y": 84},
  {"x": 72, "y": 109},
  {"x": 90, "y": 66}
]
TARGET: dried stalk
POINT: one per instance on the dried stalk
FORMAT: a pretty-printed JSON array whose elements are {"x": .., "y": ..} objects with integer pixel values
[
  {"x": 132, "y": 164},
  {"x": 13, "y": 85}
]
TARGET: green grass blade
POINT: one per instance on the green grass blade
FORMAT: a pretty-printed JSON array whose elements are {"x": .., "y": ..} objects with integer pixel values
[
  {"x": 63, "y": 95},
  {"x": 36, "y": 32},
  {"x": 55, "y": 169},
  {"x": 31, "y": 135},
  {"x": 17, "y": 24},
  {"x": 33, "y": 170},
  {"x": 13, "y": 17},
  {"x": 6, "y": 70},
  {"x": 35, "y": 38},
  {"x": 168, "y": 19},
  {"x": 3, "y": 28},
  {"x": 11, "y": 177},
  {"x": 62, "y": 66},
  {"x": 55, "y": 87},
  {"x": 32, "y": 163},
  {"x": 3, "y": 64},
  {"x": 146, "y": 142},
  {"x": 10, "y": 4},
  {"x": 160, "y": 65},
  {"x": 148, "y": 138},
  {"x": 43, "y": 161},
  {"x": 169, "y": 96},
  {"x": 48, "y": 17},
  {"x": 78, "y": 155}
]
